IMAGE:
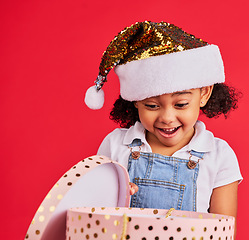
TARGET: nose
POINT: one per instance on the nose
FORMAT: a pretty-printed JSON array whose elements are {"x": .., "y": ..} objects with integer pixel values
[{"x": 167, "y": 116}]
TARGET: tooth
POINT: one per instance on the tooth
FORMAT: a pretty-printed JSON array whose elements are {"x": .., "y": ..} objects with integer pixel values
[{"x": 169, "y": 130}]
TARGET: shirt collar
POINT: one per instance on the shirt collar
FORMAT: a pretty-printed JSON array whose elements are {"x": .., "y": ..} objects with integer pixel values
[
  {"x": 202, "y": 141},
  {"x": 137, "y": 131}
]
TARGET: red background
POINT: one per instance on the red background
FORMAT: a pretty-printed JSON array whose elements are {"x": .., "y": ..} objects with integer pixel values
[{"x": 50, "y": 52}]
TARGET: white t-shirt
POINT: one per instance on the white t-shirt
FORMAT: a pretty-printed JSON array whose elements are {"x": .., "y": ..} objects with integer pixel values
[{"x": 219, "y": 166}]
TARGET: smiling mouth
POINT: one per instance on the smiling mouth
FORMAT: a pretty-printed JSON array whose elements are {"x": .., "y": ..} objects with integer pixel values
[{"x": 168, "y": 131}]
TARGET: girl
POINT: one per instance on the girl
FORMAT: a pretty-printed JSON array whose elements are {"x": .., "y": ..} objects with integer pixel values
[{"x": 166, "y": 77}]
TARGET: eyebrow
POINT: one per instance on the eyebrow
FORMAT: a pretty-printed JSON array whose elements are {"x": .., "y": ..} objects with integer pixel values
[{"x": 181, "y": 93}]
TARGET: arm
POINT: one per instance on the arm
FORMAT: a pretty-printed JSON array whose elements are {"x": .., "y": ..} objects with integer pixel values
[{"x": 224, "y": 200}]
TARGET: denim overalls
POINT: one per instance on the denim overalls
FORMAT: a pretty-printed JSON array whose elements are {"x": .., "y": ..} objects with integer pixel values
[{"x": 164, "y": 182}]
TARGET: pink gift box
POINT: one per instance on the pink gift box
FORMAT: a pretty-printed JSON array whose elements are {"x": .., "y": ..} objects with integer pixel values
[
  {"x": 146, "y": 224},
  {"x": 91, "y": 201}
]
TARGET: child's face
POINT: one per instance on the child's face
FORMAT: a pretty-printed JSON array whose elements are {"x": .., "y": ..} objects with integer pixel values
[{"x": 170, "y": 118}]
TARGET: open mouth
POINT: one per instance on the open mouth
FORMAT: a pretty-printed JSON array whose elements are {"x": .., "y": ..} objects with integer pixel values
[{"x": 168, "y": 131}]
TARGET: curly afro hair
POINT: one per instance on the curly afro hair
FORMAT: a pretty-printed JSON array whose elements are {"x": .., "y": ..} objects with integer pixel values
[{"x": 223, "y": 99}]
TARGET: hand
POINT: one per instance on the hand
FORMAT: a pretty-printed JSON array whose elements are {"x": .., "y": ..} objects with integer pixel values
[{"x": 133, "y": 188}]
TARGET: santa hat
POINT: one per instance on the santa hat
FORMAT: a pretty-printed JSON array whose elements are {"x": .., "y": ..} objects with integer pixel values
[{"x": 152, "y": 59}]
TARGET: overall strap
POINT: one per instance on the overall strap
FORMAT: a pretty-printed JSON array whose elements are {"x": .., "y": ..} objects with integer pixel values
[
  {"x": 194, "y": 158},
  {"x": 135, "y": 148},
  {"x": 197, "y": 154},
  {"x": 135, "y": 143}
]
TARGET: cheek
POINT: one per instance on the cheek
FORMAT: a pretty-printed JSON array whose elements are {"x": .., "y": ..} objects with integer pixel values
[
  {"x": 146, "y": 118},
  {"x": 190, "y": 117}
]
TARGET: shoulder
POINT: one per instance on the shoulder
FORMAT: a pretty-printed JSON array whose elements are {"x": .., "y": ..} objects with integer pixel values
[
  {"x": 223, "y": 150},
  {"x": 116, "y": 133},
  {"x": 220, "y": 161},
  {"x": 216, "y": 149},
  {"x": 205, "y": 141},
  {"x": 226, "y": 163},
  {"x": 113, "y": 146},
  {"x": 112, "y": 139}
]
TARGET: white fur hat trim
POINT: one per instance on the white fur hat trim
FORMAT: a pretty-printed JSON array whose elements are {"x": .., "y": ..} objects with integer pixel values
[{"x": 194, "y": 68}]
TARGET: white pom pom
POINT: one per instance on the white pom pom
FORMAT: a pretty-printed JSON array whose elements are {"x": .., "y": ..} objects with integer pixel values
[{"x": 94, "y": 99}]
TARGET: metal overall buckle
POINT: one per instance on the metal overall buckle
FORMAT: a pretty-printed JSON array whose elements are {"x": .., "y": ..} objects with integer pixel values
[
  {"x": 191, "y": 163},
  {"x": 135, "y": 154}
]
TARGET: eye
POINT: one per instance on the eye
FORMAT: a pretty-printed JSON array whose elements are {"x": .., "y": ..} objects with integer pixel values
[
  {"x": 151, "y": 106},
  {"x": 181, "y": 105}
]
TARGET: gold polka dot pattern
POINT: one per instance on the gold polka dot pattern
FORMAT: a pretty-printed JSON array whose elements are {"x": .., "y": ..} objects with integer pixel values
[{"x": 146, "y": 224}]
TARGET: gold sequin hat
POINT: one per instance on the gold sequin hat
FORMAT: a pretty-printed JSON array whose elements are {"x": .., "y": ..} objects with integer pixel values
[{"x": 152, "y": 59}]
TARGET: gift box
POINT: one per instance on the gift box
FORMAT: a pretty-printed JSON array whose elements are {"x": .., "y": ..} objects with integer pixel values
[
  {"x": 91, "y": 201},
  {"x": 146, "y": 224}
]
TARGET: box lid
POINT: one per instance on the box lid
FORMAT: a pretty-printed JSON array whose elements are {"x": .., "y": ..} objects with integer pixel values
[{"x": 95, "y": 181}]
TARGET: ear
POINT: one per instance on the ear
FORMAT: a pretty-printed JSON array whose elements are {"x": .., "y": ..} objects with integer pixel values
[
  {"x": 135, "y": 104},
  {"x": 205, "y": 95}
]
